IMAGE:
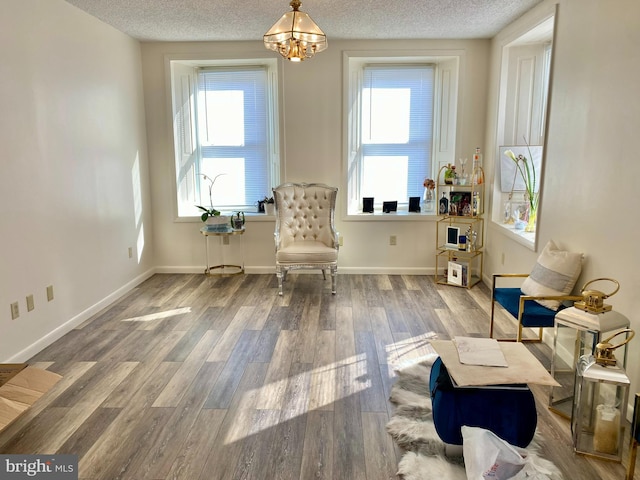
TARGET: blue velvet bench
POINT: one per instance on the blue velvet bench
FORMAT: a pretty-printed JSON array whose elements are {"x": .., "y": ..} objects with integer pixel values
[{"x": 507, "y": 411}]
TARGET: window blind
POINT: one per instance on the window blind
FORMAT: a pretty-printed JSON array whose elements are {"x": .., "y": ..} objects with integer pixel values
[
  {"x": 233, "y": 126},
  {"x": 397, "y": 126}
]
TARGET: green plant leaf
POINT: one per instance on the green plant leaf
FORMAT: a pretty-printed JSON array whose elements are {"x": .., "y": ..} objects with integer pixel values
[{"x": 204, "y": 217}]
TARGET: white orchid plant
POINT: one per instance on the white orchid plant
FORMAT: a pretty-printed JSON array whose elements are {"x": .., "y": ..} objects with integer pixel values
[
  {"x": 528, "y": 173},
  {"x": 209, "y": 212}
]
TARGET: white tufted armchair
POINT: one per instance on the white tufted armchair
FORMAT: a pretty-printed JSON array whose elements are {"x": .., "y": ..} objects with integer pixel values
[{"x": 305, "y": 233}]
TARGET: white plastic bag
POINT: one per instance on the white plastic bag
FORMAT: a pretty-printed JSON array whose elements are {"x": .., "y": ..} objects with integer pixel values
[{"x": 487, "y": 456}]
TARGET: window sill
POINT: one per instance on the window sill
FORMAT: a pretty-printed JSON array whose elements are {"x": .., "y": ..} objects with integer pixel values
[
  {"x": 378, "y": 216},
  {"x": 527, "y": 239},
  {"x": 249, "y": 217}
]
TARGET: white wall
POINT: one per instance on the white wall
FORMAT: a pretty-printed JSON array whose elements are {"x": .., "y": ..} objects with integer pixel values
[
  {"x": 74, "y": 193},
  {"x": 589, "y": 199},
  {"x": 313, "y": 129}
]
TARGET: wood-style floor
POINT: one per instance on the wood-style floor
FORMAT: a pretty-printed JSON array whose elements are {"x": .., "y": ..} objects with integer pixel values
[{"x": 192, "y": 377}]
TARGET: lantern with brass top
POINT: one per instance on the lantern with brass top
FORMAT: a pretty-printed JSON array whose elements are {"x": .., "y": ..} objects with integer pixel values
[
  {"x": 604, "y": 350},
  {"x": 578, "y": 330},
  {"x": 593, "y": 300},
  {"x": 599, "y": 410}
]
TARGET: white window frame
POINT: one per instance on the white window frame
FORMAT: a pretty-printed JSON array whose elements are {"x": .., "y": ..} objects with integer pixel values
[
  {"x": 182, "y": 85},
  {"x": 534, "y": 102},
  {"x": 446, "y": 103}
]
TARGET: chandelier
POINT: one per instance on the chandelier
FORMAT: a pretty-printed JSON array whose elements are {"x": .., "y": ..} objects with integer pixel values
[{"x": 295, "y": 36}]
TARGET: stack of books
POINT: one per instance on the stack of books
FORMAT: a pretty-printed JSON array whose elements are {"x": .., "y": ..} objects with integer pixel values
[{"x": 458, "y": 273}]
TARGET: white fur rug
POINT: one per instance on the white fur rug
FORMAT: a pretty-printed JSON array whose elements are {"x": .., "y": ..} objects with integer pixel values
[{"x": 413, "y": 430}]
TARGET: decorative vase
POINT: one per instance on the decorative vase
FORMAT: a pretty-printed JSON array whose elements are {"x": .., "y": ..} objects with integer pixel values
[
  {"x": 237, "y": 221},
  {"x": 428, "y": 200},
  {"x": 270, "y": 208},
  {"x": 531, "y": 222}
]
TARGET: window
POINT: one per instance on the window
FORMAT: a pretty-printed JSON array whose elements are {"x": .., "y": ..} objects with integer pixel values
[
  {"x": 397, "y": 103},
  {"x": 225, "y": 128},
  {"x": 392, "y": 104},
  {"x": 521, "y": 123}
]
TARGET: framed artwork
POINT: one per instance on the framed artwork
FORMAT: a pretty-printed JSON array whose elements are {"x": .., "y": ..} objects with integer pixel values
[
  {"x": 367, "y": 204},
  {"x": 460, "y": 204},
  {"x": 452, "y": 237}
]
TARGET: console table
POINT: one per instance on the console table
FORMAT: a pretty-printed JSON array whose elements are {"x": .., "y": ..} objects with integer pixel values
[{"x": 223, "y": 233}]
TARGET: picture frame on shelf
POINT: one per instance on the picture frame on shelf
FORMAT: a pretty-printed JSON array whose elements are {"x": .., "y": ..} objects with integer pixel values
[
  {"x": 460, "y": 204},
  {"x": 452, "y": 237},
  {"x": 388, "y": 207},
  {"x": 414, "y": 204},
  {"x": 367, "y": 204}
]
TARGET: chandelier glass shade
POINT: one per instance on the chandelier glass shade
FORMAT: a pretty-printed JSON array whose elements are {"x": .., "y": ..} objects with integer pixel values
[{"x": 295, "y": 36}]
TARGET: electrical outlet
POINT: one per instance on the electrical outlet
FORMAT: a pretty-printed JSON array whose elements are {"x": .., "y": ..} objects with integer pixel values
[
  {"x": 393, "y": 240},
  {"x": 341, "y": 240},
  {"x": 30, "y": 304},
  {"x": 130, "y": 252},
  {"x": 225, "y": 240},
  {"x": 15, "y": 310},
  {"x": 50, "y": 293}
]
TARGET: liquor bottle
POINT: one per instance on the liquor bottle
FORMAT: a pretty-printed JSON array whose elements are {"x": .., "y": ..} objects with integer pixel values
[
  {"x": 476, "y": 176},
  {"x": 475, "y": 211},
  {"x": 444, "y": 205}
]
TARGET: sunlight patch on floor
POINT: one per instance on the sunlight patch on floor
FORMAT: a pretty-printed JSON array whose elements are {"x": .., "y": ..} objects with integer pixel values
[
  {"x": 159, "y": 315},
  {"x": 410, "y": 349},
  {"x": 328, "y": 384}
]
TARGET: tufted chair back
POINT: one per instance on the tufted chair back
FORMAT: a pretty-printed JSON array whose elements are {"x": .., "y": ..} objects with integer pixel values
[
  {"x": 305, "y": 212},
  {"x": 305, "y": 233}
]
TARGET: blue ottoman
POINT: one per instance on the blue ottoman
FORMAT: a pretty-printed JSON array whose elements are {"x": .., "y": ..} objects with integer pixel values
[{"x": 510, "y": 413}]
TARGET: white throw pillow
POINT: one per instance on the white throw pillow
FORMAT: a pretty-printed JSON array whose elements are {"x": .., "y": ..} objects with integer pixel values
[{"x": 555, "y": 273}]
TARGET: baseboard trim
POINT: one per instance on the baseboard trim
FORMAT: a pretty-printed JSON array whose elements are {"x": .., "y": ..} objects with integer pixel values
[
  {"x": 196, "y": 270},
  {"x": 69, "y": 325},
  {"x": 386, "y": 270},
  {"x": 341, "y": 270}
]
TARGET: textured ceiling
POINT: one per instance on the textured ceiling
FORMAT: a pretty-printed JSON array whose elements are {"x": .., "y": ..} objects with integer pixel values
[{"x": 211, "y": 20}]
